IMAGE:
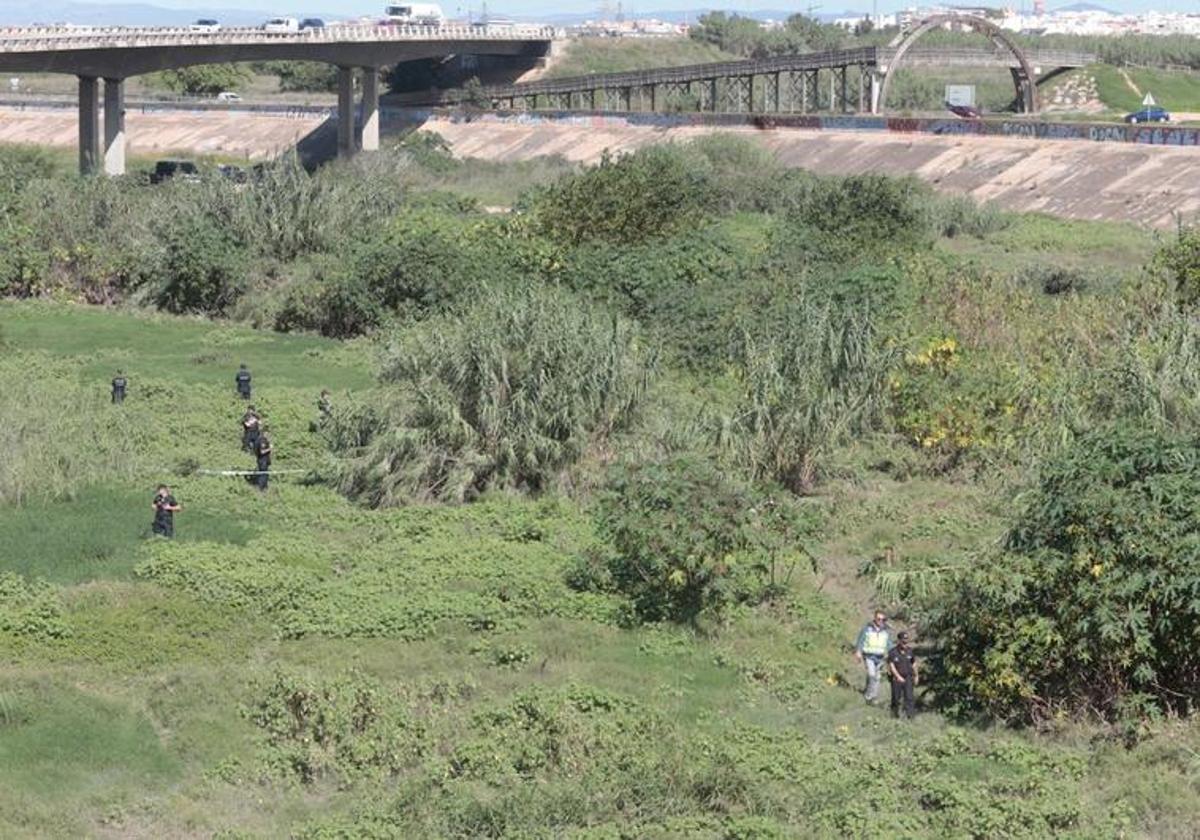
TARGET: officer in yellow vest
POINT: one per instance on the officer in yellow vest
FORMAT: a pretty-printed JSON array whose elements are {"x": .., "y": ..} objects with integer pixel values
[{"x": 874, "y": 643}]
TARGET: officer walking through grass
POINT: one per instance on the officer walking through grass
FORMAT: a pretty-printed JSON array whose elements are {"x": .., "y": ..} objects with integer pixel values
[
  {"x": 874, "y": 643},
  {"x": 242, "y": 378},
  {"x": 251, "y": 429},
  {"x": 165, "y": 507},
  {"x": 902, "y": 667},
  {"x": 118, "y": 388},
  {"x": 262, "y": 450}
]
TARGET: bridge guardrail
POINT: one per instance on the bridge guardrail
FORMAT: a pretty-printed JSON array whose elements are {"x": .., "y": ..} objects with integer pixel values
[{"x": 22, "y": 40}]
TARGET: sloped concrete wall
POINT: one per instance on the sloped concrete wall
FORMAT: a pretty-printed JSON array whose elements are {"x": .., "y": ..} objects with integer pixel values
[{"x": 1127, "y": 181}]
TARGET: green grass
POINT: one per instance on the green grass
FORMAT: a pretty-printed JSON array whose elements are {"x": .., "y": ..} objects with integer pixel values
[
  {"x": 619, "y": 55},
  {"x": 182, "y": 351},
  {"x": 96, "y": 535},
  {"x": 1173, "y": 90},
  {"x": 66, "y": 752}
]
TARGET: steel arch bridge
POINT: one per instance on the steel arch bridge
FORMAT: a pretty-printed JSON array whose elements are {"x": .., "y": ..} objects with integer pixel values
[{"x": 1024, "y": 74}]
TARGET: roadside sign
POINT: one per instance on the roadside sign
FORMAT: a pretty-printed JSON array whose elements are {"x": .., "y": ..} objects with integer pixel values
[
  {"x": 960, "y": 94},
  {"x": 1149, "y": 100}
]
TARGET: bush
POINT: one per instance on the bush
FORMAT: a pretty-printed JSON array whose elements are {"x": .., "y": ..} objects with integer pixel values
[
  {"x": 30, "y": 609},
  {"x": 509, "y": 393},
  {"x": 1090, "y": 608},
  {"x": 1179, "y": 261},
  {"x": 650, "y": 193},
  {"x": 345, "y": 728},
  {"x": 202, "y": 269},
  {"x": 675, "y": 530},
  {"x": 421, "y": 263}
]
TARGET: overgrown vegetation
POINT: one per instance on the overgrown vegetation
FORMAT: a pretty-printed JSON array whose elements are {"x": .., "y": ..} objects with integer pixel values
[{"x": 578, "y": 540}]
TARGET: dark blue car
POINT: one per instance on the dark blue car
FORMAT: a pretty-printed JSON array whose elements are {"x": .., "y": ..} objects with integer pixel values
[{"x": 1154, "y": 114}]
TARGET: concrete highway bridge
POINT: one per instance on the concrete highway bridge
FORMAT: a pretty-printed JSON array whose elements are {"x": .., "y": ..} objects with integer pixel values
[{"x": 113, "y": 54}]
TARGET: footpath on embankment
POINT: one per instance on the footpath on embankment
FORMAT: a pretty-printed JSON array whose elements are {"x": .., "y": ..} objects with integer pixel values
[{"x": 1130, "y": 177}]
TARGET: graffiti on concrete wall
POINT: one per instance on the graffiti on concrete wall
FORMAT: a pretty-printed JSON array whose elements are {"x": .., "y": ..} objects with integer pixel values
[{"x": 1095, "y": 132}]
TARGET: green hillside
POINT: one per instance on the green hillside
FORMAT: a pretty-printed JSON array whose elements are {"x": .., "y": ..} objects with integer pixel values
[
  {"x": 606, "y": 489},
  {"x": 618, "y": 55}
]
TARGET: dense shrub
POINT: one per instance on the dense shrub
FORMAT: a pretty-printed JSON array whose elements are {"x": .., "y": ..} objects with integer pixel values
[
  {"x": 1179, "y": 260},
  {"x": 1091, "y": 606},
  {"x": 675, "y": 531},
  {"x": 681, "y": 539},
  {"x": 202, "y": 268},
  {"x": 508, "y": 393},
  {"x": 950, "y": 403},
  {"x": 420, "y": 263},
  {"x": 627, "y": 199},
  {"x": 816, "y": 380},
  {"x": 30, "y": 609},
  {"x": 345, "y": 727},
  {"x": 868, "y": 210}
]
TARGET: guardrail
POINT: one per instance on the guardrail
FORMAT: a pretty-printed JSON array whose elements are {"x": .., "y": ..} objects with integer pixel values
[{"x": 78, "y": 38}]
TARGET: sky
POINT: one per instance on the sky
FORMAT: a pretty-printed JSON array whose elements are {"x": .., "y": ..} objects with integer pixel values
[{"x": 632, "y": 7}]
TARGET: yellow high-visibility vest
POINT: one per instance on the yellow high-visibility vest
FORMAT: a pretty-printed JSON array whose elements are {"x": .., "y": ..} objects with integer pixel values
[{"x": 874, "y": 642}]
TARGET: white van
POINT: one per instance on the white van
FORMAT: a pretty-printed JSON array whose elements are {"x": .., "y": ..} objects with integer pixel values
[
  {"x": 282, "y": 24},
  {"x": 414, "y": 14}
]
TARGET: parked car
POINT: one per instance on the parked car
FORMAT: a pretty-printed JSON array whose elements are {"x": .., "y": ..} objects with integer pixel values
[
  {"x": 1152, "y": 114},
  {"x": 165, "y": 170},
  {"x": 967, "y": 112},
  {"x": 229, "y": 96},
  {"x": 282, "y": 24},
  {"x": 312, "y": 23},
  {"x": 234, "y": 173},
  {"x": 205, "y": 25}
]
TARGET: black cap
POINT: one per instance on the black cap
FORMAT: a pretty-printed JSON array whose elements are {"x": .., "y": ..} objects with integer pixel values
[{"x": 902, "y": 636}]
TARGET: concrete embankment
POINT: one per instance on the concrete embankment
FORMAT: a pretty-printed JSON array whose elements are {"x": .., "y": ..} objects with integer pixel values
[
  {"x": 1130, "y": 181},
  {"x": 1079, "y": 179},
  {"x": 235, "y": 134}
]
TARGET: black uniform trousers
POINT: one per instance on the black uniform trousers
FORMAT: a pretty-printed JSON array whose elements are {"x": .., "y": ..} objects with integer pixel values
[{"x": 904, "y": 692}]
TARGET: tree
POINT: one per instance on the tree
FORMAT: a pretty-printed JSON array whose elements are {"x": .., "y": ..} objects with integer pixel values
[{"x": 204, "y": 78}]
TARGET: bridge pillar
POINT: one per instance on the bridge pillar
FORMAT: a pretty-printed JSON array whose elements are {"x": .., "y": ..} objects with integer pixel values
[
  {"x": 114, "y": 126},
  {"x": 774, "y": 103},
  {"x": 89, "y": 125},
  {"x": 370, "y": 109},
  {"x": 345, "y": 132},
  {"x": 875, "y": 86}
]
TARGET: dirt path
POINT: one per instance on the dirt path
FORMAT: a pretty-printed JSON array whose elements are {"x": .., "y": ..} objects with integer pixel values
[{"x": 1129, "y": 83}]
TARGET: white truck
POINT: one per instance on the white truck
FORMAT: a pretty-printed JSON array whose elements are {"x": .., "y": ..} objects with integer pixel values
[{"x": 414, "y": 14}]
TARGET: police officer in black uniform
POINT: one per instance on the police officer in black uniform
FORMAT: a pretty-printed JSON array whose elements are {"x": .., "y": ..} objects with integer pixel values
[
  {"x": 262, "y": 451},
  {"x": 243, "y": 381},
  {"x": 118, "y": 388},
  {"x": 251, "y": 429},
  {"x": 165, "y": 506}
]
